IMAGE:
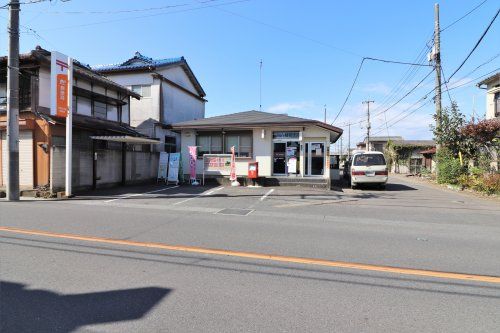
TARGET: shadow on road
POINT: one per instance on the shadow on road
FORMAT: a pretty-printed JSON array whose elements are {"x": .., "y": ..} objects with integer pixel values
[{"x": 25, "y": 310}]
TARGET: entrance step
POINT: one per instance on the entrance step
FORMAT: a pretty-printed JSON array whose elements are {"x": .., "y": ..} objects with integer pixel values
[{"x": 298, "y": 181}]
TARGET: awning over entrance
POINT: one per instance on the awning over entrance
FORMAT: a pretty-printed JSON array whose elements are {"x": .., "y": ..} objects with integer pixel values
[{"x": 126, "y": 139}]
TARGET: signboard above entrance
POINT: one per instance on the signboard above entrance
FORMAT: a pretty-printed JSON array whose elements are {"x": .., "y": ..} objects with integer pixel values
[{"x": 287, "y": 135}]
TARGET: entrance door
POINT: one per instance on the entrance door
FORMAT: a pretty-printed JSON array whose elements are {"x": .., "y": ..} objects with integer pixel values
[
  {"x": 315, "y": 159},
  {"x": 279, "y": 158}
]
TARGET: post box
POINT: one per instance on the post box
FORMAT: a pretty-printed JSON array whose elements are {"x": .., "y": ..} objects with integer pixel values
[{"x": 253, "y": 170}]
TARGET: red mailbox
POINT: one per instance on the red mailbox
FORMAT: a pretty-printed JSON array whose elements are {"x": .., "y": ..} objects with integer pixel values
[{"x": 253, "y": 170}]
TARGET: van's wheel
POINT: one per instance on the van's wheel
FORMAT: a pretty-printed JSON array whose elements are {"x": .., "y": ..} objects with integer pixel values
[{"x": 381, "y": 186}]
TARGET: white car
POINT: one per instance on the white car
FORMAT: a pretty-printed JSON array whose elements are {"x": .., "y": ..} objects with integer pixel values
[{"x": 368, "y": 168}]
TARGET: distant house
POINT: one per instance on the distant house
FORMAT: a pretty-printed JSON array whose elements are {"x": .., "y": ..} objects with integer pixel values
[
  {"x": 378, "y": 143},
  {"x": 404, "y": 156},
  {"x": 170, "y": 93},
  {"x": 492, "y": 86}
]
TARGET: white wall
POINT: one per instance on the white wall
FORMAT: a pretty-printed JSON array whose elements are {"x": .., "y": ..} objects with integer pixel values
[
  {"x": 25, "y": 157},
  {"x": 177, "y": 75},
  {"x": 179, "y": 106},
  {"x": 44, "y": 87}
]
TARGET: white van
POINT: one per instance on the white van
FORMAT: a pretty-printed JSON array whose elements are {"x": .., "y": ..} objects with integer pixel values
[{"x": 368, "y": 168}]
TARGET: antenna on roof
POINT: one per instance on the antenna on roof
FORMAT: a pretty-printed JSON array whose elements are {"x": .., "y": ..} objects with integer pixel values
[{"x": 260, "y": 86}]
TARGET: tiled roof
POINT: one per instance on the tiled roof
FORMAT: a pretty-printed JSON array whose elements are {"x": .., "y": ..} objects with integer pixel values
[
  {"x": 138, "y": 61},
  {"x": 252, "y": 118}
]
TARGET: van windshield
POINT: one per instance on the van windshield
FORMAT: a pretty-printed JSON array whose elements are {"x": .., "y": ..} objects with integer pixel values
[{"x": 369, "y": 159}]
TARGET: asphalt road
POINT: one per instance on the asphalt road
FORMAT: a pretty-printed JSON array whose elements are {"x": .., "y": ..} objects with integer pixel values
[{"x": 56, "y": 283}]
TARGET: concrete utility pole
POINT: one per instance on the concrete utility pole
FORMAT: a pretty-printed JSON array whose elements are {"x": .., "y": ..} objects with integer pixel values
[
  {"x": 349, "y": 142},
  {"x": 325, "y": 113},
  {"x": 260, "y": 86},
  {"x": 437, "y": 67},
  {"x": 13, "y": 103},
  {"x": 368, "y": 125}
]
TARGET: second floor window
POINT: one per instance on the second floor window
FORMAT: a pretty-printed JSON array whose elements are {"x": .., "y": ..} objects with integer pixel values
[
  {"x": 143, "y": 90},
  {"x": 496, "y": 100},
  {"x": 100, "y": 110}
]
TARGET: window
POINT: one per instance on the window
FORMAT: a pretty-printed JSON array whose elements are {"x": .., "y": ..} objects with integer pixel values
[
  {"x": 242, "y": 143},
  {"x": 84, "y": 106},
  {"x": 369, "y": 159},
  {"x": 170, "y": 144},
  {"x": 496, "y": 99},
  {"x": 99, "y": 110},
  {"x": 143, "y": 90},
  {"x": 209, "y": 144}
]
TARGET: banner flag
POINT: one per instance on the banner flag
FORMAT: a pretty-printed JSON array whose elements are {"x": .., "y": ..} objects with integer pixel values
[
  {"x": 192, "y": 162},
  {"x": 232, "y": 176}
]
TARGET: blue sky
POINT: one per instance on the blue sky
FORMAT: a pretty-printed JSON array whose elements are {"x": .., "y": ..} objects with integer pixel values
[{"x": 310, "y": 51}]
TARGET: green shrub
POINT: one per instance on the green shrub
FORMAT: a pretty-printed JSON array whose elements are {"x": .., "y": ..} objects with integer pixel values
[{"x": 449, "y": 168}]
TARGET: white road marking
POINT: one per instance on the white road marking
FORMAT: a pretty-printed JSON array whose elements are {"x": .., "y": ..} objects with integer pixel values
[
  {"x": 138, "y": 194},
  {"x": 199, "y": 195},
  {"x": 267, "y": 194}
]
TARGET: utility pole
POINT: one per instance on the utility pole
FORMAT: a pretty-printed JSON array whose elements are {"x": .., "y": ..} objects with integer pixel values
[
  {"x": 349, "y": 142},
  {"x": 325, "y": 113},
  {"x": 437, "y": 67},
  {"x": 13, "y": 103},
  {"x": 368, "y": 125},
  {"x": 260, "y": 86}
]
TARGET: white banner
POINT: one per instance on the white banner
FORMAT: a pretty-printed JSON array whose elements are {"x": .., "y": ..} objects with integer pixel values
[
  {"x": 60, "y": 88},
  {"x": 173, "y": 167},
  {"x": 163, "y": 166}
]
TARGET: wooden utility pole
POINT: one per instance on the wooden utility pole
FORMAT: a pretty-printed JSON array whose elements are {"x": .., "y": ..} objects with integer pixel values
[
  {"x": 368, "y": 125},
  {"x": 437, "y": 67},
  {"x": 13, "y": 103}
]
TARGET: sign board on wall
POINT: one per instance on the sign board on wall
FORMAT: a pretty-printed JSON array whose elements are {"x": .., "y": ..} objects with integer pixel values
[
  {"x": 173, "y": 167},
  {"x": 162, "y": 166},
  {"x": 59, "y": 86}
]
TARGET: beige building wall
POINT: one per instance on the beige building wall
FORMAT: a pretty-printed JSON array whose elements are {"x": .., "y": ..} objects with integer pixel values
[{"x": 262, "y": 150}]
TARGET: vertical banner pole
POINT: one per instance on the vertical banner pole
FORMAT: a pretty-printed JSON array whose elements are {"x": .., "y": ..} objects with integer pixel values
[{"x": 69, "y": 129}]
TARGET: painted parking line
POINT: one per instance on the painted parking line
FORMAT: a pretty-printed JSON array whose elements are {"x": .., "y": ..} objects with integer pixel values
[
  {"x": 262, "y": 256},
  {"x": 267, "y": 194},
  {"x": 199, "y": 195},
  {"x": 139, "y": 194}
]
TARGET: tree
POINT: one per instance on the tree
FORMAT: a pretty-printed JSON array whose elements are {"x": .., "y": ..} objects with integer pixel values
[{"x": 448, "y": 133}]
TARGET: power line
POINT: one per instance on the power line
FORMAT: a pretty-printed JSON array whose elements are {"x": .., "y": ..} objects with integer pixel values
[
  {"x": 145, "y": 16},
  {"x": 464, "y": 16},
  {"x": 123, "y": 11},
  {"x": 476, "y": 45},
  {"x": 350, "y": 90}
]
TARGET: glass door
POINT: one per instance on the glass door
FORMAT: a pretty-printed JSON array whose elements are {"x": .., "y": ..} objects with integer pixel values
[
  {"x": 279, "y": 158},
  {"x": 315, "y": 159}
]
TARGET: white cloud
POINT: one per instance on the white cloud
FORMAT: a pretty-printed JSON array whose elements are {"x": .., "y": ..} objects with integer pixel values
[
  {"x": 376, "y": 88},
  {"x": 291, "y": 106}
]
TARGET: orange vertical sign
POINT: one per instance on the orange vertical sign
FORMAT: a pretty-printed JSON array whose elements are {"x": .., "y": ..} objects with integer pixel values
[{"x": 62, "y": 95}]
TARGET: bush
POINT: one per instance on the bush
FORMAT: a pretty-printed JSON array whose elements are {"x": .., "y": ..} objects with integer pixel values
[
  {"x": 488, "y": 183},
  {"x": 449, "y": 168}
]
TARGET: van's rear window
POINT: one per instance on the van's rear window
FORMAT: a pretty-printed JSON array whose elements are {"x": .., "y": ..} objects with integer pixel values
[{"x": 369, "y": 159}]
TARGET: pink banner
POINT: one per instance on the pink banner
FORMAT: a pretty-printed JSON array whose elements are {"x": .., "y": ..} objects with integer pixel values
[
  {"x": 232, "y": 176},
  {"x": 192, "y": 161}
]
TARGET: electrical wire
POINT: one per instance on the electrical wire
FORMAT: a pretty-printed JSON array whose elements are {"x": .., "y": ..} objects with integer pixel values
[
  {"x": 476, "y": 45},
  {"x": 350, "y": 90},
  {"x": 464, "y": 16}
]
